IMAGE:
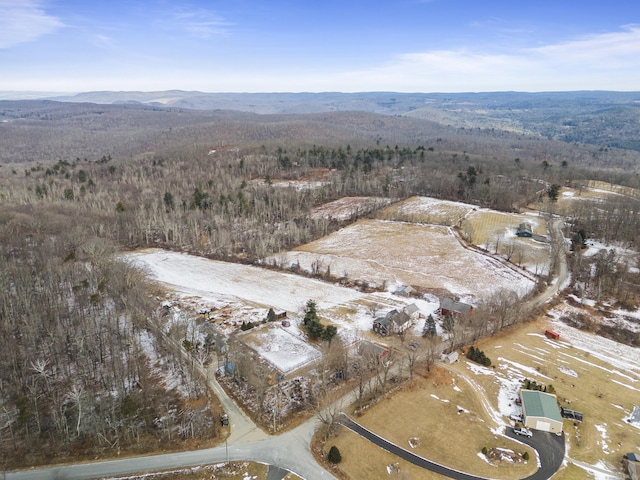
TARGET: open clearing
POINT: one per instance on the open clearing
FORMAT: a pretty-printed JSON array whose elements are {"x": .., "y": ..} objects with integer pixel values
[
  {"x": 397, "y": 253},
  {"x": 595, "y": 376},
  {"x": 485, "y": 228},
  {"x": 441, "y": 418},
  {"x": 232, "y": 293}
]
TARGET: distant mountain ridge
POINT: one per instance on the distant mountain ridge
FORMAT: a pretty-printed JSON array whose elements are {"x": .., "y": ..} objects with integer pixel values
[
  {"x": 604, "y": 118},
  {"x": 599, "y": 117}
]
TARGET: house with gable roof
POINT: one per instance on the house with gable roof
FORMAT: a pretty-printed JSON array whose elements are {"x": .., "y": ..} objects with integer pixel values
[{"x": 393, "y": 322}]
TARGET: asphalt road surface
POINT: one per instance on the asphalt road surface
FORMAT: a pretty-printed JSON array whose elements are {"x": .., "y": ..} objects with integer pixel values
[
  {"x": 290, "y": 451},
  {"x": 550, "y": 448}
]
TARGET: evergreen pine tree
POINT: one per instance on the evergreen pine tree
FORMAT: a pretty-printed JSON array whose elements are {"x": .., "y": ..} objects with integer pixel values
[{"x": 334, "y": 455}]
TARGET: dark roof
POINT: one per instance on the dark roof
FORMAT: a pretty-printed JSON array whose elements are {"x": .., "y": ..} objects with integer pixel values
[
  {"x": 384, "y": 321},
  {"x": 540, "y": 404},
  {"x": 525, "y": 227},
  {"x": 399, "y": 318},
  {"x": 634, "y": 457},
  {"x": 454, "y": 306}
]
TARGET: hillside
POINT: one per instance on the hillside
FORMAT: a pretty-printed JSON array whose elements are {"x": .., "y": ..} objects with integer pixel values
[
  {"x": 45, "y": 131},
  {"x": 595, "y": 117}
]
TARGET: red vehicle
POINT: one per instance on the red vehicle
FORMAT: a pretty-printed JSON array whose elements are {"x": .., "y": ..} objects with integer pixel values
[{"x": 552, "y": 335}]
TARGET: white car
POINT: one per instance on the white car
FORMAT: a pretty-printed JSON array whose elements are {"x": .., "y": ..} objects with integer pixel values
[{"x": 525, "y": 432}]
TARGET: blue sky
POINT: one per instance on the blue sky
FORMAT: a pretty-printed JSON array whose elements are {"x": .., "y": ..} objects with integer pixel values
[{"x": 313, "y": 46}]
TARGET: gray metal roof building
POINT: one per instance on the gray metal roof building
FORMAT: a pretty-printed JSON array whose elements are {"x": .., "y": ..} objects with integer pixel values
[{"x": 540, "y": 411}]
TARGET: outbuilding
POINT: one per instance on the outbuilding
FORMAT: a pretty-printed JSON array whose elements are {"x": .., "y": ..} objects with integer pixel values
[
  {"x": 540, "y": 411},
  {"x": 524, "y": 230},
  {"x": 449, "y": 358}
]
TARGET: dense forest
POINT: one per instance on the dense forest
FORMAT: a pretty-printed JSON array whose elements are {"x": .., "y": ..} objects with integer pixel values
[{"x": 80, "y": 183}]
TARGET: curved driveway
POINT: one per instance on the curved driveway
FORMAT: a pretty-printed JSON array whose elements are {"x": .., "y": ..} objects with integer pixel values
[
  {"x": 550, "y": 448},
  {"x": 289, "y": 451}
]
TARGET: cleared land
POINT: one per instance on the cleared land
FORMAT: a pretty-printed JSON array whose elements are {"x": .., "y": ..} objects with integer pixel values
[
  {"x": 398, "y": 253},
  {"x": 439, "y": 418},
  {"x": 590, "y": 374},
  {"x": 488, "y": 229},
  {"x": 593, "y": 375}
]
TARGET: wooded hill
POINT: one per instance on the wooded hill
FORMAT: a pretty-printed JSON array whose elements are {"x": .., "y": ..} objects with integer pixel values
[
  {"x": 609, "y": 119},
  {"x": 79, "y": 182}
]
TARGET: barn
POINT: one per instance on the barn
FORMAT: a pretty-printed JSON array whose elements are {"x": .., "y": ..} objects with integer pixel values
[
  {"x": 540, "y": 411},
  {"x": 524, "y": 230},
  {"x": 449, "y": 306}
]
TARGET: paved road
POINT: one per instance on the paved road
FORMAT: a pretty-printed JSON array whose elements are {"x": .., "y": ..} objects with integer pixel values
[
  {"x": 550, "y": 448},
  {"x": 405, "y": 454},
  {"x": 289, "y": 451}
]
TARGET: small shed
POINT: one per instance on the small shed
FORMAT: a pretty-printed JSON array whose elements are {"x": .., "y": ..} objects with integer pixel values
[
  {"x": 631, "y": 462},
  {"x": 524, "y": 230},
  {"x": 404, "y": 290},
  {"x": 540, "y": 411},
  {"x": 449, "y": 358}
]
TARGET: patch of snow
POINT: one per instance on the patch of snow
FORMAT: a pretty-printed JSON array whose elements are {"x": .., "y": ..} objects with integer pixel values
[
  {"x": 568, "y": 371},
  {"x": 604, "y": 437},
  {"x": 599, "y": 471},
  {"x": 280, "y": 347},
  {"x": 520, "y": 368},
  {"x": 484, "y": 457}
]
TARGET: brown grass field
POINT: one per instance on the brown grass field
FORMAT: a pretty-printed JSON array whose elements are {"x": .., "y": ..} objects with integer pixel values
[
  {"x": 591, "y": 391},
  {"x": 449, "y": 424},
  {"x": 481, "y": 227},
  {"x": 427, "y": 256},
  {"x": 426, "y": 211}
]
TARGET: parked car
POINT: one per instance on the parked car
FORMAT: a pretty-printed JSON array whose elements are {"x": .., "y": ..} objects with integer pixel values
[
  {"x": 224, "y": 419},
  {"x": 525, "y": 432},
  {"x": 515, "y": 418}
]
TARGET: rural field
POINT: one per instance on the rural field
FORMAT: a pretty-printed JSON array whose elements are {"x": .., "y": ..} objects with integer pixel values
[
  {"x": 593, "y": 375},
  {"x": 388, "y": 253},
  {"x": 454, "y": 411}
]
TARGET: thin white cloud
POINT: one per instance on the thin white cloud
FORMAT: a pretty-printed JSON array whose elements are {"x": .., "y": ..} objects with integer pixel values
[
  {"x": 599, "y": 61},
  {"x": 24, "y": 21},
  {"x": 609, "y": 49},
  {"x": 199, "y": 23}
]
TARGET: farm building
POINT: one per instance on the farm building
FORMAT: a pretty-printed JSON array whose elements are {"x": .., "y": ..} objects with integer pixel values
[
  {"x": 392, "y": 322},
  {"x": 551, "y": 334},
  {"x": 540, "y": 411},
  {"x": 404, "y": 290},
  {"x": 449, "y": 358},
  {"x": 455, "y": 308},
  {"x": 412, "y": 310},
  {"x": 631, "y": 462},
  {"x": 382, "y": 326},
  {"x": 524, "y": 230}
]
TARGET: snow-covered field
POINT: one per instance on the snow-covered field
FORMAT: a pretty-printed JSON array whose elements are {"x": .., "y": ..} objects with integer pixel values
[{"x": 234, "y": 293}]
